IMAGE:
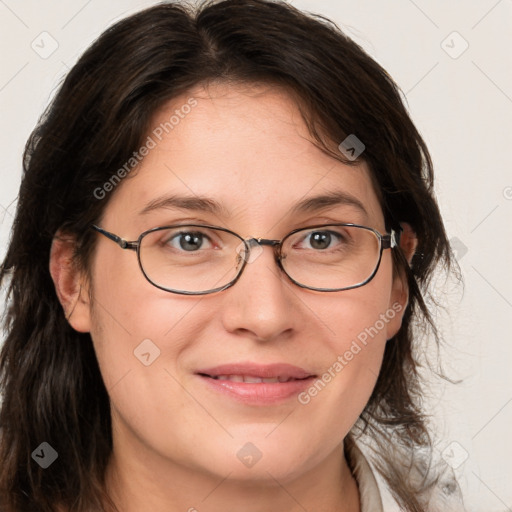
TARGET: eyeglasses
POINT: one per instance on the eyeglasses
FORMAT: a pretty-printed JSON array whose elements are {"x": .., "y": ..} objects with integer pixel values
[{"x": 195, "y": 259}]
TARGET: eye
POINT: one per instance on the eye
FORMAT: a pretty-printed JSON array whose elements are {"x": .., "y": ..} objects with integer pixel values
[
  {"x": 321, "y": 240},
  {"x": 189, "y": 241}
]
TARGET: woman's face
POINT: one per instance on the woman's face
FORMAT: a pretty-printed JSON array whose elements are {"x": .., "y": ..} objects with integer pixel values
[{"x": 248, "y": 151}]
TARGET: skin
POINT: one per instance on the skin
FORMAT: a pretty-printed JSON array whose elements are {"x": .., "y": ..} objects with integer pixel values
[{"x": 175, "y": 441}]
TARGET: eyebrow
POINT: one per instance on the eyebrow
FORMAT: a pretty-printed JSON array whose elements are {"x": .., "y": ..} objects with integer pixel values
[
  {"x": 208, "y": 205},
  {"x": 329, "y": 200},
  {"x": 194, "y": 203}
]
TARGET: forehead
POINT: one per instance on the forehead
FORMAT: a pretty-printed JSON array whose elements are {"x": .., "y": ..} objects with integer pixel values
[{"x": 248, "y": 149}]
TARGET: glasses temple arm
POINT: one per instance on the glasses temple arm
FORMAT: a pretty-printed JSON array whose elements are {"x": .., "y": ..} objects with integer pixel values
[
  {"x": 124, "y": 244},
  {"x": 392, "y": 240}
]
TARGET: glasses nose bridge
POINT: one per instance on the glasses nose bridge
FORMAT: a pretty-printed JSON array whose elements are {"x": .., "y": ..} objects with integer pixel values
[{"x": 275, "y": 244}]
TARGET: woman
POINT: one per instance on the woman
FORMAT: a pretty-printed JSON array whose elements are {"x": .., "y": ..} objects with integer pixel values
[{"x": 224, "y": 233}]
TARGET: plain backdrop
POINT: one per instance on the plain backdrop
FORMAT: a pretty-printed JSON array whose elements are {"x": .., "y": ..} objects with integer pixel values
[{"x": 452, "y": 60}]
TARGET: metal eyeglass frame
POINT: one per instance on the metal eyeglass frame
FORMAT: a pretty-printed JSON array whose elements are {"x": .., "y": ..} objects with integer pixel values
[{"x": 388, "y": 241}]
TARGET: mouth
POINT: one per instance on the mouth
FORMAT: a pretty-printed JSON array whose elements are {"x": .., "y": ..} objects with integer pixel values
[
  {"x": 250, "y": 378},
  {"x": 254, "y": 384}
]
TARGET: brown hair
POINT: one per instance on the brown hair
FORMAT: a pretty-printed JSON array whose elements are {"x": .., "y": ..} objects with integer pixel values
[{"x": 49, "y": 376}]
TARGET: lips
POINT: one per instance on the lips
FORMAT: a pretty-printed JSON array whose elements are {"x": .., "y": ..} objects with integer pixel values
[
  {"x": 253, "y": 384},
  {"x": 250, "y": 372},
  {"x": 251, "y": 379}
]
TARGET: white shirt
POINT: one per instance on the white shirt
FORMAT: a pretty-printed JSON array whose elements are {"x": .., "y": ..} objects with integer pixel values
[{"x": 375, "y": 496}]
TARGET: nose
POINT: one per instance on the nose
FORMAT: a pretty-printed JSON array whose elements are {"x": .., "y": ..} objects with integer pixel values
[{"x": 262, "y": 303}]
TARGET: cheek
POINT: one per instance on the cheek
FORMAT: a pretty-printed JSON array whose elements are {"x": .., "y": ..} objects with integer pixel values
[
  {"x": 356, "y": 355},
  {"x": 139, "y": 334},
  {"x": 358, "y": 321},
  {"x": 362, "y": 316},
  {"x": 135, "y": 325}
]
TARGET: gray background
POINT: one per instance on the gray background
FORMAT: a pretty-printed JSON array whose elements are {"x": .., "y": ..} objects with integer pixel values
[{"x": 461, "y": 101}]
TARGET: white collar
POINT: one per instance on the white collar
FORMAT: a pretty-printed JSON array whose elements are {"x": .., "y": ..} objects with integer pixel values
[
  {"x": 369, "y": 494},
  {"x": 375, "y": 495}
]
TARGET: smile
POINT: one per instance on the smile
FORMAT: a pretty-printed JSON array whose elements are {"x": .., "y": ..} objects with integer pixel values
[{"x": 256, "y": 384}]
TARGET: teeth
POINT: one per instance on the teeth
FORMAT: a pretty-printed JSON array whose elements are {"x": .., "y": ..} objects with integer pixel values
[{"x": 252, "y": 380}]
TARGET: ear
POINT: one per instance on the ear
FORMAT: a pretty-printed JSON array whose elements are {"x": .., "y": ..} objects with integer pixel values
[
  {"x": 408, "y": 241},
  {"x": 399, "y": 297},
  {"x": 70, "y": 283}
]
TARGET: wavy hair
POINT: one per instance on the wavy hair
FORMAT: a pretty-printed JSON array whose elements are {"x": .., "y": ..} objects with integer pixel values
[{"x": 49, "y": 376}]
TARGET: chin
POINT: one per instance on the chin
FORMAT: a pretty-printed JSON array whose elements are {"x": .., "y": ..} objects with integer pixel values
[{"x": 260, "y": 459}]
